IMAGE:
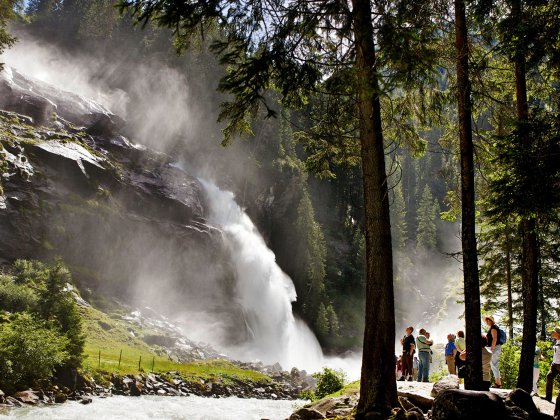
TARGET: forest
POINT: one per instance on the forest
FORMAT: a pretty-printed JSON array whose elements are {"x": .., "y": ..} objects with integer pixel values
[{"x": 402, "y": 137}]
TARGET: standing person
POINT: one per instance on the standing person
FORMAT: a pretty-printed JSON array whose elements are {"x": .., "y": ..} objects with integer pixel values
[
  {"x": 460, "y": 342},
  {"x": 493, "y": 338},
  {"x": 399, "y": 367},
  {"x": 486, "y": 362},
  {"x": 536, "y": 371},
  {"x": 408, "y": 353},
  {"x": 415, "y": 365},
  {"x": 424, "y": 354},
  {"x": 555, "y": 366},
  {"x": 450, "y": 352}
]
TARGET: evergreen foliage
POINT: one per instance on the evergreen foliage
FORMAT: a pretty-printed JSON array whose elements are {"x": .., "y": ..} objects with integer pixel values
[
  {"x": 322, "y": 322},
  {"x": 426, "y": 237},
  {"x": 6, "y": 13}
]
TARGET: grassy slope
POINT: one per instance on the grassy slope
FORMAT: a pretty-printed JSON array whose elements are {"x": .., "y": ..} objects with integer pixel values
[{"x": 110, "y": 342}]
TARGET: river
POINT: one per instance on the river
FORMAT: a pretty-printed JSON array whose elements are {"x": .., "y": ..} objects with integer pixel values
[{"x": 160, "y": 408}]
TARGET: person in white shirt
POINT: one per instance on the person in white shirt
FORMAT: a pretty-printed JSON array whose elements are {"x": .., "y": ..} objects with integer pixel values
[{"x": 555, "y": 366}]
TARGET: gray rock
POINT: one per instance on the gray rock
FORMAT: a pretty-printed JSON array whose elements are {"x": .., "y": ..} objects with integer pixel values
[
  {"x": 447, "y": 382},
  {"x": 455, "y": 404},
  {"x": 13, "y": 402},
  {"x": 306, "y": 414},
  {"x": 329, "y": 404},
  {"x": 339, "y": 412}
]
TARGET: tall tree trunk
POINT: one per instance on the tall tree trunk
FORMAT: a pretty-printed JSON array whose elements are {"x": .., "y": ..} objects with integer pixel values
[
  {"x": 529, "y": 253},
  {"x": 378, "y": 390},
  {"x": 509, "y": 286},
  {"x": 473, "y": 379}
]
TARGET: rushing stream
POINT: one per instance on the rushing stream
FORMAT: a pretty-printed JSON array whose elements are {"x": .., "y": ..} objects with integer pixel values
[{"x": 160, "y": 408}]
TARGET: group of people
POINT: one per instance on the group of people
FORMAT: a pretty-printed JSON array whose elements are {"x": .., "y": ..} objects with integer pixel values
[{"x": 414, "y": 364}]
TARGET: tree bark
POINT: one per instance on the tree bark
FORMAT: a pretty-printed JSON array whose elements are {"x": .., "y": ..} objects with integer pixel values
[
  {"x": 509, "y": 285},
  {"x": 378, "y": 390},
  {"x": 473, "y": 379},
  {"x": 527, "y": 227}
]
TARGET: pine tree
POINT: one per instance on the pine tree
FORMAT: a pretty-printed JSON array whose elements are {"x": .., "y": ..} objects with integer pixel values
[
  {"x": 473, "y": 379},
  {"x": 6, "y": 13},
  {"x": 322, "y": 322},
  {"x": 426, "y": 235},
  {"x": 311, "y": 253},
  {"x": 334, "y": 327},
  {"x": 398, "y": 218}
]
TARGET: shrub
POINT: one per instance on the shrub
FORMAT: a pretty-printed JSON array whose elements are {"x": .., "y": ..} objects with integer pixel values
[
  {"x": 509, "y": 364},
  {"x": 328, "y": 381},
  {"x": 15, "y": 297},
  {"x": 29, "y": 352}
]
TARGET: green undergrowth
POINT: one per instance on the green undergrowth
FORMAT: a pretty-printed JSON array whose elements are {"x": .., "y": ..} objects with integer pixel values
[
  {"x": 353, "y": 388},
  {"x": 106, "y": 337}
]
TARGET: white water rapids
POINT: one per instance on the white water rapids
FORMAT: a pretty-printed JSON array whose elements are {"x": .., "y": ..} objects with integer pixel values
[
  {"x": 159, "y": 408},
  {"x": 263, "y": 290}
]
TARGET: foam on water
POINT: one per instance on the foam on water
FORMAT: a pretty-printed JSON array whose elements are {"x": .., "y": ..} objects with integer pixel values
[{"x": 160, "y": 408}]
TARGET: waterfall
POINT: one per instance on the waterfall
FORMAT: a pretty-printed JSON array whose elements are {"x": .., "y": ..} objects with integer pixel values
[{"x": 263, "y": 290}]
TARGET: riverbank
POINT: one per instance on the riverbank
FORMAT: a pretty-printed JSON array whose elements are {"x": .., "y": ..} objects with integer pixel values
[{"x": 82, "y": 387}]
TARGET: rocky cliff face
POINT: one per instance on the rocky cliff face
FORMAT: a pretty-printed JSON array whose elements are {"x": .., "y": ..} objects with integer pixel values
[{"x": 128, "y": 221}]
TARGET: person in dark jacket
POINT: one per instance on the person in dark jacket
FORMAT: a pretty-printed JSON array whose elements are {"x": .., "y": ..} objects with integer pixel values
[{"x": 409, "y": 346}]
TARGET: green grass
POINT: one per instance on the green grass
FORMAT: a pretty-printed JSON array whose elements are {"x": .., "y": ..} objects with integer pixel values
[
  {"x": 110, "y": 341},
  {"x": 352, "y": 388}
]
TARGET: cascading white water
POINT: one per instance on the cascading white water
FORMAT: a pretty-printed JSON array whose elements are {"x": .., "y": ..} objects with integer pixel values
[{"x": 263, "y": 290}]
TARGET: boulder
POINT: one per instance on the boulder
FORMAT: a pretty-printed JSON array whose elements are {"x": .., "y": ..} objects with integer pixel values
[
  {"x": 60, "y": 397},
  {"x": 520, "y": 398},
  {"x": 306, "y": 414},
  {"x": 425, "y": 403},
  {"x": 13, "y": 402},
  {"x": 329, "y": 404},
  {"x": 86, "y": 400},
  {"x": 136, "y": 388},
  {"x": 517, "y": 413},
  {"x": 447, "y": 382},
  {"x": 340, "y": 412},
  {"x": 406, "y": 404},
  {"x": 456, "y": 404},
  {"x": 27, "y": 397}
]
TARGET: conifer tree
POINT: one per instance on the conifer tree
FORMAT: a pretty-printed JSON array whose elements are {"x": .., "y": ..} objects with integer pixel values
[
  {"x": 398, "y": 218},
  {"x": 334, "y": 326},
  {"x": 6, "y": 13},
  {"x": 426, "y": 235},
  {"x": 322, "y": 322}
]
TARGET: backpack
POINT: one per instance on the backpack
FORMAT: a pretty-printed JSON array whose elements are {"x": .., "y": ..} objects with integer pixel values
[{"x": 502, "y": 336}]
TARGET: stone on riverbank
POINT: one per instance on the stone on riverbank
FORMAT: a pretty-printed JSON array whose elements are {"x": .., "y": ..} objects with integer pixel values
[
  {"x": 447, "y": 382},
  {"x": 27, "y": 397},
  {"x": 306, "y": 414},
  {"x": 461, "y": 404}
]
